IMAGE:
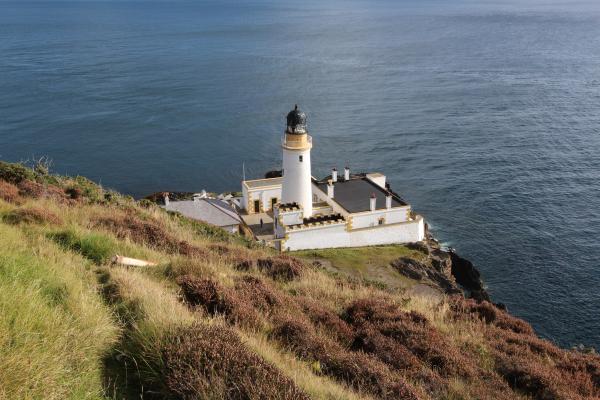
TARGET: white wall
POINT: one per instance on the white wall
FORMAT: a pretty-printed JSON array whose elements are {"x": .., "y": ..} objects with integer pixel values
[
  {"x": 337, "y": 236},
  {"x": 371, "y": 218},
  {"x": 297, "y": 179},
  {"x": 264, "y": 195},
  {"x": 378, "y": 179}
]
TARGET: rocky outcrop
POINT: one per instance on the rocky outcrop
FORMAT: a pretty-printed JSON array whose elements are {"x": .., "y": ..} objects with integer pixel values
[
  {"x": 443, "y": 269},
  {"x": 468, "y": 277},
  {"x": 427, "y": 274}
]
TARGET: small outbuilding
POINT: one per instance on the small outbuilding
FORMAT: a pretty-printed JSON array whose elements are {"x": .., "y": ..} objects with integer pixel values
[{"x": 213, "y": 211}]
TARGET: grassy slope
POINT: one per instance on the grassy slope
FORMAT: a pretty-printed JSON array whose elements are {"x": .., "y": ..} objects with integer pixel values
[
  {"x": 220, "y": 317},
  {"x": 370, "y": 264}
]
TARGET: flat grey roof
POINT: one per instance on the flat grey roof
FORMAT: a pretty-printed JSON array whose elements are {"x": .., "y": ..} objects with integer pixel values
[
  {"x": 264, "y": 182},
  {"x": 214, "y": 211},
  {"x": 354, "y": 195}
]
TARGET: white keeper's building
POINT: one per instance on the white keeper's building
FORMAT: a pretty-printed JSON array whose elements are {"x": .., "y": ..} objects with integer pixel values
[{"x": 341, "y": 210}]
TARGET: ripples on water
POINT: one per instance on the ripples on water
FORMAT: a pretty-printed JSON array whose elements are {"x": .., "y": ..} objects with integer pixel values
[{"x": 485, "y": 116}]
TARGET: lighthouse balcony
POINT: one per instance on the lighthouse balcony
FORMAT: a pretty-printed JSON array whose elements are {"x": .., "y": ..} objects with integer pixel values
[{"x": 296, "y": 142}]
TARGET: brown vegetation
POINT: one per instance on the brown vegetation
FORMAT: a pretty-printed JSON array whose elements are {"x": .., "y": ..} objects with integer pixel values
[
  {"x": 281, "y": 267},
  {"x": 327, "y": 320},
  {"x": 150, "y": 233},
  {"x": 32, "y": 215},
  {"x": 356, "y": 369},
  {"x": 9, "y": 192},
  {"x": 211, "y": 362},
  {"x": 35, "y": 190},
  {"x": 489, "y": 313},
  {"x": 412, "y": 330},
  {"x": 217, "y": 300}
]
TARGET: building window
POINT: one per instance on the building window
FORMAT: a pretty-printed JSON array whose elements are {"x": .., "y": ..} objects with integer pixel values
[
  {"x": 300, "y": 158},
  {"x": 381, "y": 221}
]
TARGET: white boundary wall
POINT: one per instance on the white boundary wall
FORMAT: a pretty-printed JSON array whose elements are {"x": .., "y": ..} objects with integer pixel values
[{"x": 322, "y": 237}]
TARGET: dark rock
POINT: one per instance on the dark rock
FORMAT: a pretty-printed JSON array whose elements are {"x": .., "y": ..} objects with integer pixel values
[
  {"x": 465, "y": 273},
  {"x": 422, "y": 272},
  {"x": 419, "y": 246},
  {"x": 273, "y": 174}
]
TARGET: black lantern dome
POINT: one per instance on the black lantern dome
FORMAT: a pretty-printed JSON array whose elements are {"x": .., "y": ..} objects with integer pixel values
[{"x": 296, "y": 121}]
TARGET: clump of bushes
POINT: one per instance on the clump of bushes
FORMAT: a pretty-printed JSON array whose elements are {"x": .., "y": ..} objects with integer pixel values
[
  {"x": 261, "y": 295},
  {"x": 32, "y": 215},
  {"x": 327, "y": 320},
  {"x": 36, "y": 190},
  {"x": 281, "y": 267},
  {"x": 9, "y": 192},
  {"x": 15, "y": 173},
  {"x": 356, "y": 369},
  {"x": 203, "y": 362},
  {"x": 148, "y": 233},
  {"x": 490, "y": 314},
  {"x": 214, "y": 299},
  {"x": 539, "y": 369},
  {"x": 83, "y": 187},
  {"x": 94, "y": 246},
  {"x": 411, "y": 330}
]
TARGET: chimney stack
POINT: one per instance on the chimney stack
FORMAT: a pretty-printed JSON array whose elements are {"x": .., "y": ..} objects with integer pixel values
[
  {"x": 166, "y": 199},
  {"x": 334, "y": 175},
  {"x": 373, "y": 201},
  {"x": 388, "y": 201},
  {"x": 330, "y": 189},
  {"x": 346, "y": 174}
]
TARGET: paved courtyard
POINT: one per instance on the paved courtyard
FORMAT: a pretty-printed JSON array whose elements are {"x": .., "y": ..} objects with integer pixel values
[{"x": 253, "y": 221}]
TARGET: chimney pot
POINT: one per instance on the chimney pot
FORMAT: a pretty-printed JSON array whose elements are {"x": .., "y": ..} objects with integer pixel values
[
  {"x": 346, "y": 174},
  {"x": 373, "y": 202},
  {"x": 388, "y": 201},
  {"x": 330, "y": 191},
  {"x": 166, "y": 199},
  {"x": 334, "y": 175}
]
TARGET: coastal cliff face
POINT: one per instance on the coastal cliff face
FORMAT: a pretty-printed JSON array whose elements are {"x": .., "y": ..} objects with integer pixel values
[
  {"x": 218, "y": 316},
  {"x": 443, "y": 269}
]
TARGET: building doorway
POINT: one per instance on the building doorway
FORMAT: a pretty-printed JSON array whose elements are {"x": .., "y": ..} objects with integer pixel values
[
  {"x": 256, "y": 206},
  {"x": 273, "y": 202}
]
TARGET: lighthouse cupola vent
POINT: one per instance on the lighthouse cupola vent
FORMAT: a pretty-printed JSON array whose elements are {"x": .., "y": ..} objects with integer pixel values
[{"x": 296, "y": 121}]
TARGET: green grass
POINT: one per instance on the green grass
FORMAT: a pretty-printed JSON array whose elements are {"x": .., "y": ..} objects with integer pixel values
[
  {"x": 359, "y": 258},
  {"x": 97, "y": 247},
  {"x": 53, "y": 325},
  {"x": 370, "y": 264}
]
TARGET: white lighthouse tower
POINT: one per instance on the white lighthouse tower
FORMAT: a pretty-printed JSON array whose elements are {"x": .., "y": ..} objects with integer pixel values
[{"x": 296, "y": 143}]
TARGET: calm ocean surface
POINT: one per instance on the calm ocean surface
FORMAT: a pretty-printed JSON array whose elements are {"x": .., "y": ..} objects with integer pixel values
[{"x": 484, "y": 114}]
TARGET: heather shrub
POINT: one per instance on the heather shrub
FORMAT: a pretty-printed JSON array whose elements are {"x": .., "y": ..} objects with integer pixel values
[
  {"x": 326, "y": 320},
  {"x": 281, "y": 267},
  {"x": 203, "y": 362},
  {"x": 540, "y": 369},
  {"x": 261, "y": 295},
  {"x": 244, "y": 264},
  {"x": 217, "y": 300},
  {"x": 35, "y": 190},
  {"x": 148, "y": 233},
  {"x": 32, "y": 215},
  {"x": 413, "y": 331},
  {"x": 356, "y": 369},
  {"x": 490, "y": 314},
  {"x": 8, "y": 192}
]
